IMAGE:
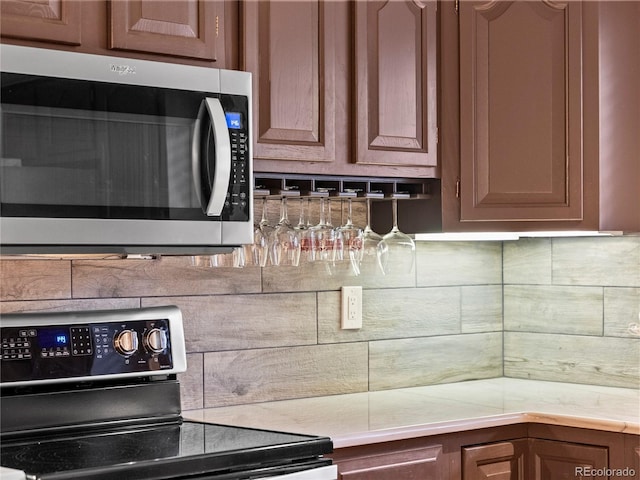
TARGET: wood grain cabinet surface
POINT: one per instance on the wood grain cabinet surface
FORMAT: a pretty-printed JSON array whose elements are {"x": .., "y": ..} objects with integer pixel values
[
  {"x": 57, "y": 21},
  {"x": 395, "y": 83},
  {"x": 537, "y": 112},
  {"x": 343, "y": 88},
  {"x": 521, "y": 108},
  {"x": 182, "y": 31},
  {"x": 514, "y": 452},
  {"x": 496, "y": 461}
]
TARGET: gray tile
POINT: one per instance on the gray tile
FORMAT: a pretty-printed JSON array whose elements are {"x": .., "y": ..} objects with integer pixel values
[
  {"x": 553, "y": 309},
  {"x": 69, "y": 305},
  {"x": 621, "y": 312},
  {"x": 527, "y": 261},
  {"x": 605, "y": 361},
  {"x": 160, "y": 277},
  {"x": 427, "y": 361},
  {"x": 248, "y": 376},
  {"x": 192, "y": 383},
  {"x": 481, "y": 308},
  {"x": 232, "y": 322},
  {"x": 458, "y": 263},
  {"x": 311, "y": 277},
  {"x": 606, "y": 261},
  {"x": 393, "y": 313},
  {"x": 35, "y": 279}
]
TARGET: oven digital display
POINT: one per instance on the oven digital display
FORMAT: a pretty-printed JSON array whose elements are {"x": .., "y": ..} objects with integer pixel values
[{"x": 53, "y": 338}]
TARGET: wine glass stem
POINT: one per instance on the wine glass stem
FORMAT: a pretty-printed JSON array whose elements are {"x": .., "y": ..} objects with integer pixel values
[
  {"x": 284, "y": 217},
  {"x": 264, "y": 220},
  {"x": 368, "y": 213},
  {"x": 394, "y": 212},
  {"x": 301, "y": 217},
  {"x": 321, "y": 221},
  {"x": 349, "y": 221}
]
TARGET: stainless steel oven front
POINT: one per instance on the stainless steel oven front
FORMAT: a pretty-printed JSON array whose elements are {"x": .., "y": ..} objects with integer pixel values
[
  {"x": 95, "y": 395},
  {"x": 103, "y": 154}
]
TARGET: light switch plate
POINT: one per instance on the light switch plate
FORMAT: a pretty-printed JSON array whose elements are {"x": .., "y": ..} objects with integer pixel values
[{"x": 351, "y": 317}]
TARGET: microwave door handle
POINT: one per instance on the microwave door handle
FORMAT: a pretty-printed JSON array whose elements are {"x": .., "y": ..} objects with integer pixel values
[
  {"x": 222, "y": 172},
  {"x": 196, "y": 158}
]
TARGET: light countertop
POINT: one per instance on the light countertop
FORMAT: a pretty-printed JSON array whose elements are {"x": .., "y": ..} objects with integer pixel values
[{"x": 371, "y": 417}]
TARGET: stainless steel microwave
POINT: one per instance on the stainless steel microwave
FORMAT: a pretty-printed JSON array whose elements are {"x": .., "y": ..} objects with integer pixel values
[{"x": 103, "y": 154}]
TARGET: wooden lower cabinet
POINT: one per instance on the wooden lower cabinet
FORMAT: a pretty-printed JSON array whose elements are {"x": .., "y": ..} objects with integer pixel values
[
  {"x": 496, "y": 461},
  {"x": 425, "y": 462},
  {"x": 552, "y": 460},
  {"x": 515, "y": 452}
]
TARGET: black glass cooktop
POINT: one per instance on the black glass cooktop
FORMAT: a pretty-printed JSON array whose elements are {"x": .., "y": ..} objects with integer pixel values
[{"x": 174, "y": 450}]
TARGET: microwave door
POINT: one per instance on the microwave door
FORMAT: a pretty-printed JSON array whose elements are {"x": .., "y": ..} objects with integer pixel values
[{"x": 211, "y": 153}]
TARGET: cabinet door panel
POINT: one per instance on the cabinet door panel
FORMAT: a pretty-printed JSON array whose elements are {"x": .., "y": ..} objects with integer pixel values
[
  {"x": 521, "y": 111},
  {"x": 185, "y": 28},
  {"x": 553, "y": 460},
  {"x": 496, "y": 461},
  {"x": 56, "y": 21},
  {"x": 401, "y": 465},
  {"x": 395, "y": 83},
  {"x": 289, "y": 48}
]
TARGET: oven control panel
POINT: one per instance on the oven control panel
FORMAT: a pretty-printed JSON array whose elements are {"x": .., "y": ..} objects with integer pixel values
[{"x": 58, "y": 347}]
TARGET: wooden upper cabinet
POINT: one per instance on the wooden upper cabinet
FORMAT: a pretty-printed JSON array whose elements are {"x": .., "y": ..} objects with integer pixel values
[
  {"x": 395, "y": 83},
  {"x": 289, "y": 48},
  {"x": 521, "y": 111},
  {"x": 619, "y": 25},
  {"x": 181, "y": 28},
  {"x": 56, "y": 21}
]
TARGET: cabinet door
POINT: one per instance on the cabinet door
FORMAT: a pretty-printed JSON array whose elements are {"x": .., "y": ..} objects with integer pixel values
[
  {"x": 521, "y": 111},
  {"x": 289, "y": 48},
  {"x": 553, "y": 460},
  {"x": 496, "y": 461},
  {"x": 419, "y": 463},
  {"x": 182, "y": 28},
  {"x": 56, "y": 21},
  {"x": 395, "y": 83}
]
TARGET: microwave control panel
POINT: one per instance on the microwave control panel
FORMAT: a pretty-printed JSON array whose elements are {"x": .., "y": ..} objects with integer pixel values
[
  {"x": 49, "y": 353},
  {"x": 237, "y": 204}
]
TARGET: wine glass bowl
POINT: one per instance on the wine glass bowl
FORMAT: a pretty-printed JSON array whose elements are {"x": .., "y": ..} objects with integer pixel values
[
  {"x": 286, "y": 242},
  {"x": 323, "y": 235},
  {"x": 369, "y": 260},
  {"x": 396, "y": 250},
  {"x": 347, "y": 252}
]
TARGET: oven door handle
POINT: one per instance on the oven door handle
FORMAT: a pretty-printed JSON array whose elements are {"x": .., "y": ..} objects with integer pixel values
[{"x": 211, "y": 124}]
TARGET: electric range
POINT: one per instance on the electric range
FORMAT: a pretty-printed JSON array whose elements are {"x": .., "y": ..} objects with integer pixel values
[{"x": 95, "y": 395}]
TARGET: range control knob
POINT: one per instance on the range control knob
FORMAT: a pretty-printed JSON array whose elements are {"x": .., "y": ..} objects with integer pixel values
[
  {"x": 126, "y": 342},
  {"x": 156, "y": 340}
]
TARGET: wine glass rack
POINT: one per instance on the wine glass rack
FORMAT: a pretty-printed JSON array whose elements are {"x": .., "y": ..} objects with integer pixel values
[
  {"x": 419, "y": 205},
  {"x": 274, "y": 185}
]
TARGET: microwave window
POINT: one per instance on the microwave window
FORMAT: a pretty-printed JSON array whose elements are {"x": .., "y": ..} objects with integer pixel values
[
  {"x": 83, "y": 150},
  {"x": 66, "y": 157}
]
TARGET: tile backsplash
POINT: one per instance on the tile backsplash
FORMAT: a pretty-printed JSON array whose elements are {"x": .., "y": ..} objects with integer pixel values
[{"x": 552, "y": 309}]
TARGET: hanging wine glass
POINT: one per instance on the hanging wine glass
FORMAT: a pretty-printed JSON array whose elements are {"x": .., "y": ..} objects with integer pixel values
[
  {"x": 303, "y": 232},
  {"x": 323, "y": 235},
  {"x": 369, "y": 261},
  {"x": 262, "y": 237},
  {"x": 259, "y": 249},
  {"x": 396, "y": 251},
  {"x": 285, "y": 249},
  {"x": 347, "y": 253}
]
